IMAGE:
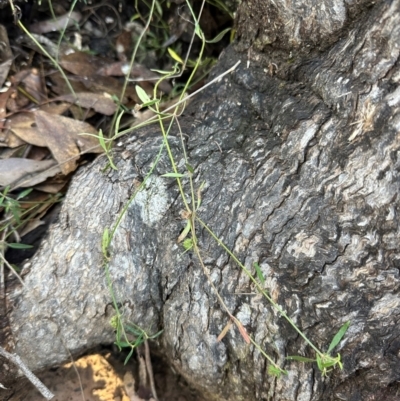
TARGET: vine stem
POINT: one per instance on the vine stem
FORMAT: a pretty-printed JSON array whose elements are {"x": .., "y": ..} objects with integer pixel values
[{"x": 260, "y": 289}]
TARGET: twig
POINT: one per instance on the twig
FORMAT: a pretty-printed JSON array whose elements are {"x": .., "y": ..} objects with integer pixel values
[
  {"x": 4, "y": 260},
  {"x": 149, "y": 368},
  {"x": 15, "y": 359}
]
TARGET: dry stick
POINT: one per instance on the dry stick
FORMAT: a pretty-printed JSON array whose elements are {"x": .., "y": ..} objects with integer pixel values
[
  {"x": 15, "y": 359},
  {"x": 149, "y": 368},
  {"x": 4, "y": 260}
]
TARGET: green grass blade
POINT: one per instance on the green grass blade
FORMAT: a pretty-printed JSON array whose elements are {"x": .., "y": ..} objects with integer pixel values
[
  {"x": 299, "y": 358},
  {"x": 16, "y": 245},
  {"x": 259, "y": 273},
  {"x": 339, "y": 335}
]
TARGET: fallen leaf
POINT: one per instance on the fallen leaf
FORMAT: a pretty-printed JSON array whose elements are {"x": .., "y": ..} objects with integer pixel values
[
  {"x": 63, "y": 138},
  {"x": 58, "y": 24},
  {"x": 32, "y": 84},
  {"x": 4, "y": 69},
  {"x": 10, "y": 140},
  {"x": 55, "y": 108},
  {"x": 83, "y": 64},
  {"x": 24, "y": 126},
  {"x": 100, "y": 103},
  {"x": 15, "y": 169},
  {"x": 6, "y": 55}
]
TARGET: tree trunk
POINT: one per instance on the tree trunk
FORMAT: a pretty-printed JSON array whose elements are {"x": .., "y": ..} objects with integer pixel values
[{"x": 299, "y": 152}]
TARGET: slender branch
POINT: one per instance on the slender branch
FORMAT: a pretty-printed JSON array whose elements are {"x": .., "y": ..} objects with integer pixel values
[
  {"x": 149, "y": 368},
  {"x": 16, "y": 360}
]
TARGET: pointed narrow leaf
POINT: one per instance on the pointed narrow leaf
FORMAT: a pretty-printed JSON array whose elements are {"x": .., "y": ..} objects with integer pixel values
[
  {"x": 190, "y": 168},
  {"x": 128, "y": 356},
  {"x": 24, "y": 193},
  {"x": 259, "y": 273},
  {"x": 101, "y": 141},
  {"x": 174, "y": 56},
  {"x": 16, "y": 245},
  {"x": 219, "y": 36},
  {"x": 143, "y": 96},
  {"x": 276, "y": 371},
  {"x": 198, "y": 31},
  {"x": 105, "y": 242},
  {"x": 173, "y": 175},
  {"x": 339, "y": 335},
  {"x": 299, "y": 358},
  {"x": 185, "y": 232}
]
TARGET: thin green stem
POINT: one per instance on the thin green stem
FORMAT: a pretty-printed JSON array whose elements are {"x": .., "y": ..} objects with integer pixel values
[
  {"x": 133, "y": 57},
  {"x": 260, "y": 289}
]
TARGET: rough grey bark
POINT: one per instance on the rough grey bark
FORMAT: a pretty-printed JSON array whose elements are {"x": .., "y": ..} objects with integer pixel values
[{"x": 301, "y": 163}]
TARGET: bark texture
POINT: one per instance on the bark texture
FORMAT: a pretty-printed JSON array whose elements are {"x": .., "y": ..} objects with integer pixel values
[{"x": 301, "y": 163}]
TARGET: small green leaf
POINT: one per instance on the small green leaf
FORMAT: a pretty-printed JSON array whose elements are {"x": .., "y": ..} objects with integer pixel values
[
  {"x": 105, "y": 242},
  {"x": 339, "y": 335},
  {"x": 101, "y": 141},
  {"x": 15, "y": 208},
  {"x": 110, "y": 161},
  {"x": 190, "y": 168},
  {"x": 128, "y": 356},
  {"x": 143, "y": 96},
  {"x": 185, "y": 232},
  {"x": 188, "y": 244},
  {"x": 133, "y": 330},
  {"x": 259, "y": 273},
  {"x": 299, "y": 358},
  {"x": 198, "y": 31},
  {"x": 156, "y": 335},
  {"x": 150, "y": 103},
  {"x": 174, "y": 56},
  {"x": 24, "y": 193},
  {"x": 173, "y": 175},
  {"x": 162, "y": 72},
  {"x": 16, "y": 245},
  {"x": 219, "y": 36},
  {"x": 118, "y": 121},
  {"x": 276, "y": 371}
]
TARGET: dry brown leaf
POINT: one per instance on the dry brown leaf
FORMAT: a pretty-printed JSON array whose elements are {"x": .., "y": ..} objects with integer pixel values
[
  {"x": 83, "y": 64},
  {"x": 58, "y": 24},
  {"x": 30, "y": 226},
  {"x": 24, "y": 126},
  {"x": 5, "y": 55},
  {"x": 3, "y": 102},
  {"x": 32, "y": 83},
  {"x": 13, "y": 170},
  {"x": 30, "y": 181},
  {"x": 10, "y": 140},
  {"x": 55, "y": 108},
  {"x": 60, "y": 87},
  {"x": 64, "y": 139},
  {"x": 100, "y": 103},
  {"x": 4, "y": 69},
  {"x": 110, "y": 85},
  {"x": 52, "y": 186}
]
